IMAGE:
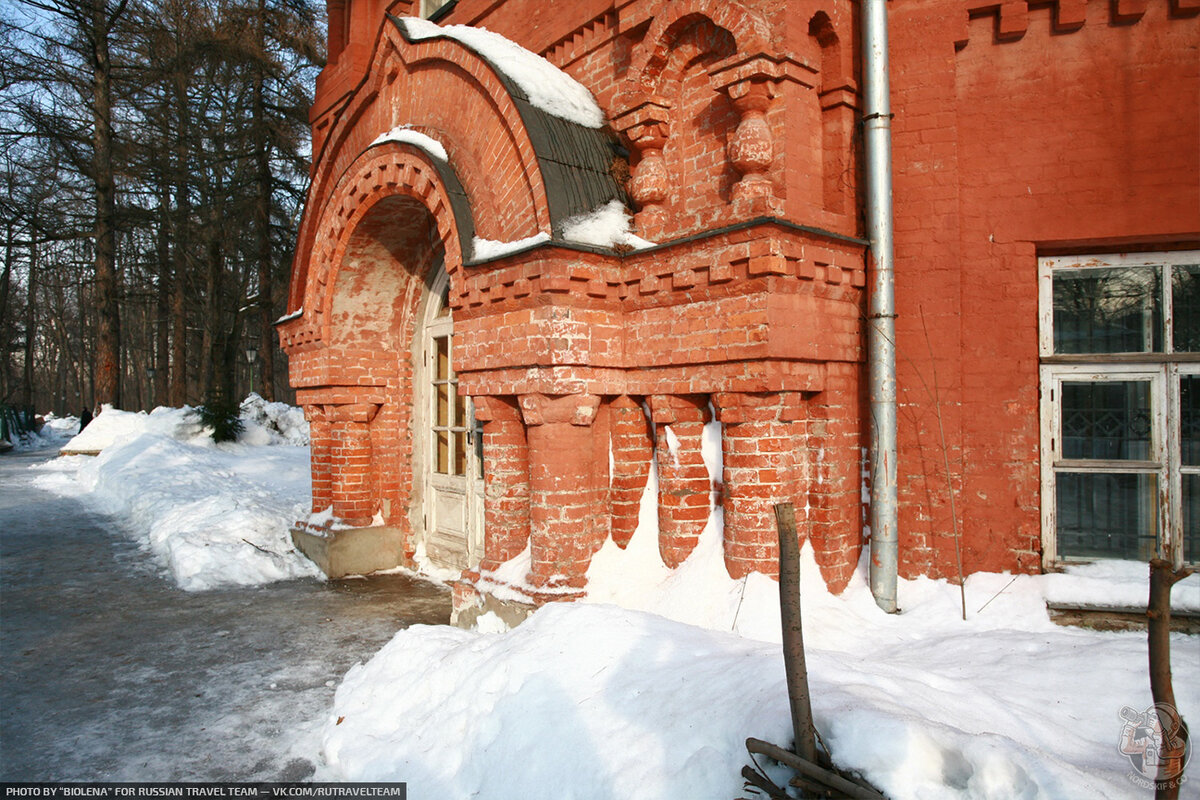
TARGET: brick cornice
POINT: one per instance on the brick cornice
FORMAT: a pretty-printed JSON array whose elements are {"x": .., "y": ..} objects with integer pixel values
[{"x": 1011, "y": 17}]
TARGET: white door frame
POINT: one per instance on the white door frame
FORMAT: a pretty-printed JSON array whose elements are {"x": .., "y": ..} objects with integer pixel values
[{"x": 451, "y": 481}]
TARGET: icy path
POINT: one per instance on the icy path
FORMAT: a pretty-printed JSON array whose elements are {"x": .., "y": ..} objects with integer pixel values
[{"x": 109, "y": 672}]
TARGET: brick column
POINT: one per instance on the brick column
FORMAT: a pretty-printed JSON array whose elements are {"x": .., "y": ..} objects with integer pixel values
[
  {"x": 763, "y": 446},
  {"x": 505, "y": 480},
  {"x": 565, "y": 489},
  {"x": 684, "y": 487},
  {"x": 647, "y": 123},
  {"x": 632, "y": 449},
  {"x": 835, "y": 489},
  {"x": 751, "y": 84},
  {"x": 320, "y": 437},
  {"x": 350, "y": 460}
]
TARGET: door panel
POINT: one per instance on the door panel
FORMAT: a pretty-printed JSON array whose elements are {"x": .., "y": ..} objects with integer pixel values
[{"x": 453, "y": 474}]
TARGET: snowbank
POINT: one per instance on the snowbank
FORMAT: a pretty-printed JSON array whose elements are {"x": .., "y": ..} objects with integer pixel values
[
  {"x": 112, "y": 425},
  {"x": 602, "y": 702},
  {"x": 214, "y": 515},
  {"x": 650, "y": 686},
  {"x": 54, "y": 431},
  {"x": 595, "y": 701}
]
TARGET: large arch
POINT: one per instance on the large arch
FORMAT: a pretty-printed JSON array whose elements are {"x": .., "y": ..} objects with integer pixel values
[{"x": 523, "y": 170}]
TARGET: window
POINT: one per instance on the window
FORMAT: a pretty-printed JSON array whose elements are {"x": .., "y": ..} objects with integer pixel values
[
  {"x": 1120, "y": 381},
  {"x": 430, "y": 8}
]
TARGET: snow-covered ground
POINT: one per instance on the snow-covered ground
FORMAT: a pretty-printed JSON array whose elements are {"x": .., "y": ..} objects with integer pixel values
[
  {"x": 650, "y": 687},
  {"x": 214, "y": 515}
]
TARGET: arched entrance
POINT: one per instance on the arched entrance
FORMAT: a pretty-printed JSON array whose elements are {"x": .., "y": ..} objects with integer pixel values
[{"x": 449, "y": 441}]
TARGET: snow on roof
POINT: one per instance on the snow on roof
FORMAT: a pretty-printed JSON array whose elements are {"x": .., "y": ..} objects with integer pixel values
[
  {"x": 546, "y": 86},
  {"x": 406, "y": 135}
]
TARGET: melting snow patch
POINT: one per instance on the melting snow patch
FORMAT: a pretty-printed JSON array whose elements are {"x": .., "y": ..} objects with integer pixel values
[
  {"x": 406, "y": 135},
  {"x": 489, "y": 249},
  {"x": 607, "y": 226}
]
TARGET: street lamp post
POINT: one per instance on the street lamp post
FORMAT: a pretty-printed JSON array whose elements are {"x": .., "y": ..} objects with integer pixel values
[
  {"x": 251, "y": 355},
  {"x": 150, "y": 373}
]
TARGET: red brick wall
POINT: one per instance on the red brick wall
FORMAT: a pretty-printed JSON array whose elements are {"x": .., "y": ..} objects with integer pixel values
[
  {"x": 1017, "y": 132},
  {"x": 1026, "y": 132}
]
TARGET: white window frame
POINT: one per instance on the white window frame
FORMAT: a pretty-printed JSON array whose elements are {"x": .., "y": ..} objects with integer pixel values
[
  {"x": 431, "y": 7},
  {"x": 1162, "y": 369}
]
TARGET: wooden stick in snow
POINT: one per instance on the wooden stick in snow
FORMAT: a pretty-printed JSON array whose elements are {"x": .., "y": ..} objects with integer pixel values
[{"x": 793, "y": 633}]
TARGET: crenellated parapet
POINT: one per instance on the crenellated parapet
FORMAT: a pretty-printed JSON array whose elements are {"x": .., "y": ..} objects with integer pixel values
[{"x": 1011, "y": 18}]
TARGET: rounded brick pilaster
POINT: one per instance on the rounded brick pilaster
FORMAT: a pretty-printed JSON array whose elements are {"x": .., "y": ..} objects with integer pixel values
[
  {"x": 763, "y": 444},
  {"x": 566, "y": 509},
  {"x": 505, "y": 480},
  {"x": 684, "y": 486},
  {"x": 632, "y": 449}
]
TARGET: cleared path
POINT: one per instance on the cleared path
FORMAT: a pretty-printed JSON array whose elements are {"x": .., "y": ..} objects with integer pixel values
[{"x": 108, "y": 672}]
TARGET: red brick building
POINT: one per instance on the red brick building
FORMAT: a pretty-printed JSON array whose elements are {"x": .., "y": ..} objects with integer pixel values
[{"x": 471, "y": 399}]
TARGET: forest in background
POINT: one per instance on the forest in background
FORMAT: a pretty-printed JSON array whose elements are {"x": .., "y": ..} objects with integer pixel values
[{"x": 154, "y": 156}]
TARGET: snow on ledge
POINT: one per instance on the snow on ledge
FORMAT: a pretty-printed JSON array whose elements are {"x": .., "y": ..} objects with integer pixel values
[
  {"x": 606, "y": 226},
  {"x": 546, "y": 86},
  {"x": 404, "y": 134},
  {"x": 299, "y": 312},
  {"x": 490, "y": 249}
]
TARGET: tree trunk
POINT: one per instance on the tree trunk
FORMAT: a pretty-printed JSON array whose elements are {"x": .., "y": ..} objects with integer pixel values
[
  {"x": 1173, "y": 729},
  {"x": 108, "y": 320},
  {"x": 30, "y": 329},
  {"x": 181, "y": 235},
  {"x": 5, "y": 288},
  {"x": 162, "y": 303},
  {"x": 262, "y": 215}
]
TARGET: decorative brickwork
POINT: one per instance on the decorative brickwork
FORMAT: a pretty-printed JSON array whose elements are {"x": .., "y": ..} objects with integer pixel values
[
  {"x": 684, "y": 487},
  {"x": 632, "y": 451},
  {"x": 506, "y": 480},
  {"x": 740, "y": 122}
]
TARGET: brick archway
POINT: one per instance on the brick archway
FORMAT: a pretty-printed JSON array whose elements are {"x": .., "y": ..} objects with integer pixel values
[{"x": 392, "y": 220}]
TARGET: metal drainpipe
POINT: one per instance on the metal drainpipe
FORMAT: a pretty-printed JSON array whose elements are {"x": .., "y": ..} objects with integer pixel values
[{"x": 881, "y": 332}]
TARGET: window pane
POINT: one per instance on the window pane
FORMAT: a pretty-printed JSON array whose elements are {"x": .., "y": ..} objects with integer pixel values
[
  {"x": 443, "y": 452},
  {"x": 1106, "y": 420},
  {"x": 1191, "y": 517},
  {"x": 442, "y": 368},
  {"x": 1189, "y": 420},
  {"x": 1107, "y": 310},
  {"x": 1185, "y": 304},
  {"x": 460, "y": 408},
  {"x": 460, "y": 453},
  {"x": 428, "y": 7},
  {"x": 443, "y": 404},
  {"x": 1106, "y": 515}
]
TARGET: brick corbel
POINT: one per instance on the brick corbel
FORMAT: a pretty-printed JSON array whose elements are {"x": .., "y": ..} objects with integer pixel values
[
  {"x": 489, "y": 408},
  {"x": 354, "y": 412},
  {"x": 737, "y": 407},
  {"x": 575, "y": 409},
  {"x": 668, "y": 409}
]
